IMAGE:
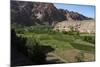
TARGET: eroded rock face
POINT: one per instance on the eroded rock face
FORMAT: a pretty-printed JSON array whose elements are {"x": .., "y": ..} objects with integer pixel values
[
  {"x": 86, "y": 26},
  {"x": 32, "y": 13},
  {"x": 21, "y": 12},
  {"x": 47, "y": 12}
]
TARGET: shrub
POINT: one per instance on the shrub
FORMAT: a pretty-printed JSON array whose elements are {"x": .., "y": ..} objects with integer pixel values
[
  {"x": 71, "y": 32},
  {"x": 21, "y": 45},
  {"x": 20, "y": 31},
  {"x": 18, "y": 42},
  {"x": 35, "y": 51},
  {"x": 90, "y": 39}
]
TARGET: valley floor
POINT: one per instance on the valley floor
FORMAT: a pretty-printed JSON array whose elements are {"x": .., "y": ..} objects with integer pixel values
[{"x": 67, "y": 47}]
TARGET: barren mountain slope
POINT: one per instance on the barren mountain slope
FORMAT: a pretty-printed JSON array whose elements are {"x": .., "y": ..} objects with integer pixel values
[
  {"x": 86, "y": 26},
  {"x": 33, "y": 13}
]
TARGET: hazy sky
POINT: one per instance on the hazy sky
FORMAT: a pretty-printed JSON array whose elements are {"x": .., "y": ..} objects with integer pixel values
[{"x": 86, "y": 10}]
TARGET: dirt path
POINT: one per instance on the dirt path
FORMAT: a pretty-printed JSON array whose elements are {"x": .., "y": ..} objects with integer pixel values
[{"x": 53, "y": 59}]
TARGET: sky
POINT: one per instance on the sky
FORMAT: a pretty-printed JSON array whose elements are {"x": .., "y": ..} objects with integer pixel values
[{"x": 86, "y": 10}]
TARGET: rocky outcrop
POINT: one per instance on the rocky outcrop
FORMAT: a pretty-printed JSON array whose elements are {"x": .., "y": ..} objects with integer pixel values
[
  {"x": 76, "y": 16},
  {"x": 86, "y": 26}
]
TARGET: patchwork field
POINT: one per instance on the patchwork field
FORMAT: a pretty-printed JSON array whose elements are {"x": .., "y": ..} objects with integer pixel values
[{"x": 67, "y": 47}]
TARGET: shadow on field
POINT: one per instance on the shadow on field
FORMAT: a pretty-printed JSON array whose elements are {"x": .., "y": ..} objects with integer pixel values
[
  {"x": 22, "y": 55},
  {"x": 83, "y": 47}
]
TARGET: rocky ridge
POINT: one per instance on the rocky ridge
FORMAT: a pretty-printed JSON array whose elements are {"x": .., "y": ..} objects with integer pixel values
[{"x": 32, "y": 13}]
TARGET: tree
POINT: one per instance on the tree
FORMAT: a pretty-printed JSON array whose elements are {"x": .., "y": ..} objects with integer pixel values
[{"x": 36, "y": 52}]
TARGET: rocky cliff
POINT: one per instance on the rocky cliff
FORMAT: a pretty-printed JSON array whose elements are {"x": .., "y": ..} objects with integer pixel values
[{"x": 32, "y": 13}]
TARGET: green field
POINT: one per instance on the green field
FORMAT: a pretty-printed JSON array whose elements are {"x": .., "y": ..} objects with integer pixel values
[{"x": 67, "y": 46}]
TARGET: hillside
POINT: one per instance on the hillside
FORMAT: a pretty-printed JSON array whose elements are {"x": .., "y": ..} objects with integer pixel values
[
  {"x": 86, "y": 26},
  {"x": 33, "y": 13}
]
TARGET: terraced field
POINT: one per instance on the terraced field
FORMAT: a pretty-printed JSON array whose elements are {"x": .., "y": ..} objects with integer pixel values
[{"x": 67, "y": 47}]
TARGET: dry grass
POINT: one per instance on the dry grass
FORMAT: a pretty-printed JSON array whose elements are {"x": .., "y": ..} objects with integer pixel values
[{"x": 71, "y": 54}]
